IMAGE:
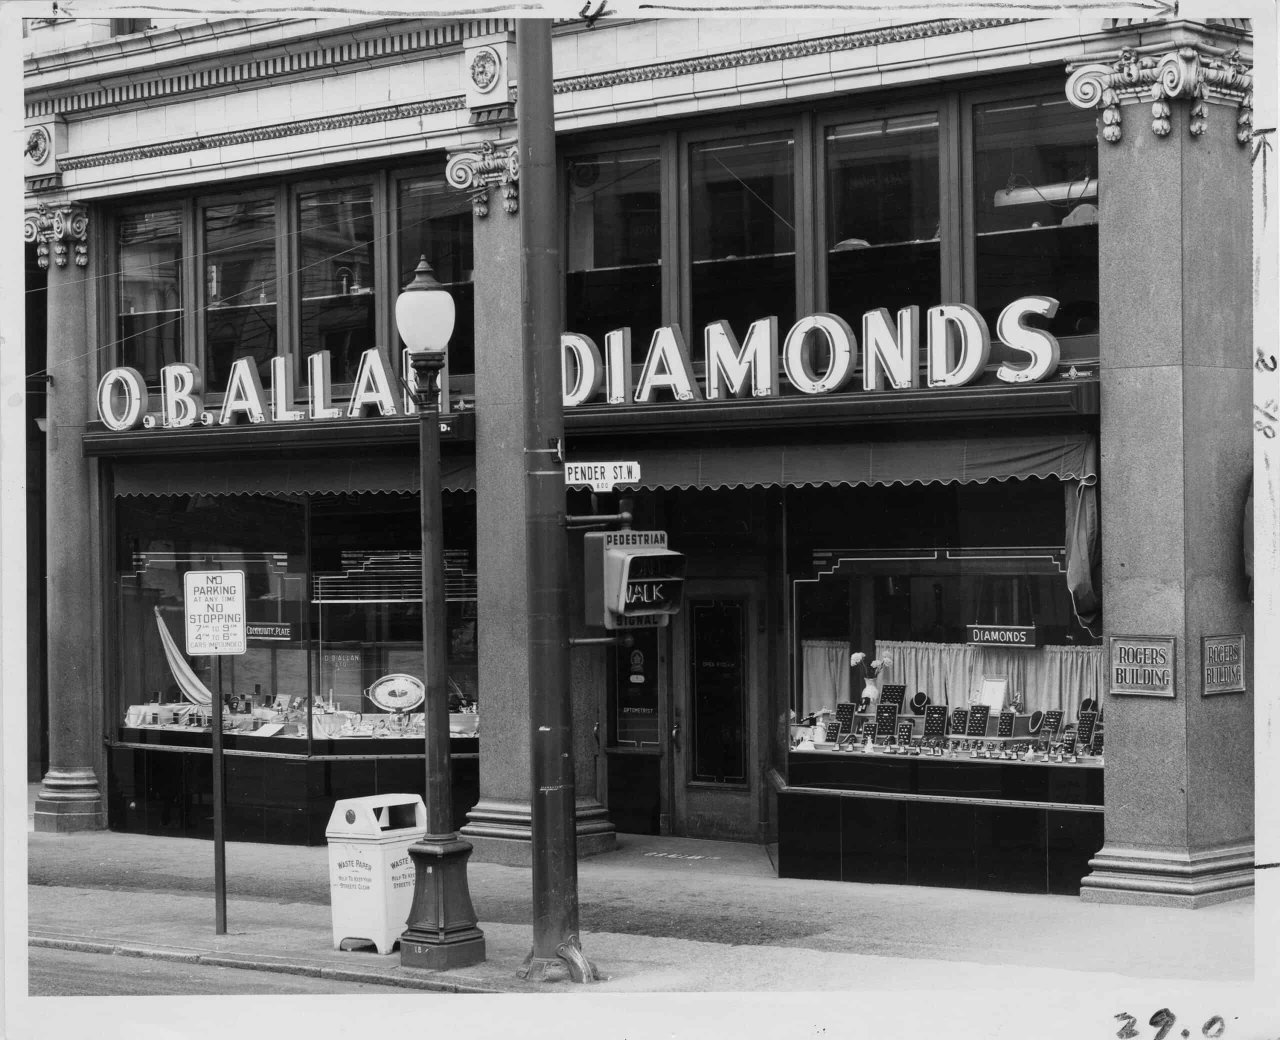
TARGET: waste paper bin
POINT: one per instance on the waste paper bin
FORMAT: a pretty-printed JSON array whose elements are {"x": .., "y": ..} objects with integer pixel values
[{"x": 371, "y": 873}]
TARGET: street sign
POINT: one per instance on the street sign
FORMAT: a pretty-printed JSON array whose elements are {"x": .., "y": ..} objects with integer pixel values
[
  {"x": 601, "y": 476},
  {"x": 214, "y": 609},
  {"x": 213, "y": 605}
]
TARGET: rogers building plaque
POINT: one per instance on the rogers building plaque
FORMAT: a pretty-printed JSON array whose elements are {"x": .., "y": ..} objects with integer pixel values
[
  {"x": 1222, "y": 664},
  {"x": 1141, "y": 665}
]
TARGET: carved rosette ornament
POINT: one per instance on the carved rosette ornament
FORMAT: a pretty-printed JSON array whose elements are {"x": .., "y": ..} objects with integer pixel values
[
  {"x": 494, "y": 162},
  {"x": 1196, "y": 73},
  {"x": 57, "y": 227}
]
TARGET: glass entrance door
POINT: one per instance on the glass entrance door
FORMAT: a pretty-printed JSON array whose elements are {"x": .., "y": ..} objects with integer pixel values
[{"x": 714, "y": 738}]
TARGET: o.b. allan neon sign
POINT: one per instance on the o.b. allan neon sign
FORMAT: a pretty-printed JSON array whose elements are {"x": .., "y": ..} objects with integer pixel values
[{"x": 957, "y": 349}]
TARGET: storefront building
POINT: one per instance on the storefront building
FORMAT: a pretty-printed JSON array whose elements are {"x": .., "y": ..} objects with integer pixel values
[{"x": 904, "y": 327}]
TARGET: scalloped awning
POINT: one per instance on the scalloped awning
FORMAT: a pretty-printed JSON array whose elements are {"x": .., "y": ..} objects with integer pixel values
[
  {"x": 311, "y": 476},
  {"x": 943, "y": 460},
  {"x": 950, "y": 460}
]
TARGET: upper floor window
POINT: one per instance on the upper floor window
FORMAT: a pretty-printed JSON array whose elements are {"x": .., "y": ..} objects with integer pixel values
[
  {"x": 336, "y": 276},
  {"x": 149, "y": 305},
  {"x": 614, "y": 274},
  {"x": 286, "y": 270},
  {"x": 129, "y": 26},
  {"x": 970, "y": 197},
  {"x": 1035, "y": 205},
  {"x": 883, "y": 221},
  {"x": 742, "y": 230},
  {"x": 241, "y": 287},
  {"x": 435, "y": 222}
]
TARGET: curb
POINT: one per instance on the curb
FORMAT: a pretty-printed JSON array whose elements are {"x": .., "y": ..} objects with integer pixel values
[{"x": 249, "y": 963}]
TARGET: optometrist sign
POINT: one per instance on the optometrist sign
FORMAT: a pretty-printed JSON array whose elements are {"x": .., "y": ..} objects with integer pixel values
[
  {"x": 213, "y": 605},
  {"x": 948, "y": 346}
]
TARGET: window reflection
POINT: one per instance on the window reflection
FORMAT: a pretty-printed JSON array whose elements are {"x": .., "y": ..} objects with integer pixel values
[
  {"x": 240, "y": 288},
  {"x": 158, "y": 542},
  {"x": 149, "y": 322},
  {"x": 435, "y": 222},
  {"x": 336, "y": 250},
  {"x": 742, "y": 221},
  {"x": 1036, "y": 209},
  {"x": 883, "y": 215},
  {"x": 615, "y": 247},
  {"x": 333, "y": 606}
]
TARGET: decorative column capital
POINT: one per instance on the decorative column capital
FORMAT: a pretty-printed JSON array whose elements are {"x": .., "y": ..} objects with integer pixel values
[
  {"x": 1194, "y": 72},
  {"x": 493, "y": 162},
  {"x": 59, "y": 225}
]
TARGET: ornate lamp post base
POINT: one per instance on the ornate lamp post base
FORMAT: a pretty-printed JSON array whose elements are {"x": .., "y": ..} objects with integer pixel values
[
  {"x": 569, "y": 964},
  {"x": 441, "y": 931}
]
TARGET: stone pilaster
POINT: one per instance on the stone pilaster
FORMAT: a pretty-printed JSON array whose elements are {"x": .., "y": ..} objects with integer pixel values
[
  {"x": 1175, "y": 300},
  {"x": 499, "y": 825},
  {"x": 70, "y": 797}
]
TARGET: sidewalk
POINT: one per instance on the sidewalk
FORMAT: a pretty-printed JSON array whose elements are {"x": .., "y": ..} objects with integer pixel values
[{"x": 658, "y": 914}]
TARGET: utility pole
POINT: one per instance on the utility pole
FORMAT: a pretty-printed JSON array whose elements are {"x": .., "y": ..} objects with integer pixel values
[{"x": 557, "y": 951}]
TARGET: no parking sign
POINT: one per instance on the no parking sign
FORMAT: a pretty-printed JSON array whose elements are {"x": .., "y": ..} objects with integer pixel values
[{"x": 214, "y": 610}]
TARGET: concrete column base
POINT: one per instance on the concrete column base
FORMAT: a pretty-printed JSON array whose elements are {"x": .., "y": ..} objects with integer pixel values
[
  {"x": 502, "y": 832},
  {"x": 1169, "y": 877},
  {"x": 69, "y": 800}
]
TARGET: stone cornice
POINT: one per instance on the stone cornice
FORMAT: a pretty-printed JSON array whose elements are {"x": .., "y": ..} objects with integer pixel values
[
  {"x": 266, "y": 133},
  {"x": 367, "y": 44},
  {"x": 314, "y": 55},
  {"x": 780, "y": 52},
  {"x": 656, "y": 71}
]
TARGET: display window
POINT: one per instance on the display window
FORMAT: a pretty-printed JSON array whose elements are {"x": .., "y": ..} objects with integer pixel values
[
  {"x": 333, "y": 620},
  {"x": 966, "y": 610}
]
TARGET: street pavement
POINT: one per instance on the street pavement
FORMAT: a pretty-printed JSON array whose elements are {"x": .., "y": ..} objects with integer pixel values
[
  {"x": 54, "y": 973},
  {"x": 679, "y": 916}
]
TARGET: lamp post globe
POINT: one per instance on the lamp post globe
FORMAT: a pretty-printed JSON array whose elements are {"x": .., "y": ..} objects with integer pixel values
[
  {"x": 441, "y": 930},
  {"x": 425, "y": 312}
]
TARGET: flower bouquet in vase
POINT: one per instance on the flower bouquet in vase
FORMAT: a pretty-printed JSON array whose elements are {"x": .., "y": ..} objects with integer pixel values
[{"x": 869, "y": 670}]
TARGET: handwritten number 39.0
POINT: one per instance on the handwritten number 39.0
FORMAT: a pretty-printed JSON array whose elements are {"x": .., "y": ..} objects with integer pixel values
[{"x": 1163, "y": 1020}]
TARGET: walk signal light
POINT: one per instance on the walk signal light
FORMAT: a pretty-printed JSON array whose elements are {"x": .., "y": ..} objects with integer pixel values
[{"x": 632, "y": 579}]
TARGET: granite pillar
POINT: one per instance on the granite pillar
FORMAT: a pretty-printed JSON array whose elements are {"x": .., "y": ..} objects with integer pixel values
[
  {"x": 70, "y": 797},
  {"x": 1175, "y": 300},
  {"x": 499, "y": 825}
]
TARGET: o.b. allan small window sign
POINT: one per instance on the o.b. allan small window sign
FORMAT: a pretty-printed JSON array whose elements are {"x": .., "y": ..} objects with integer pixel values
[
  {"x": 1222, "y": 664},
  {"x": 1141, "y": 665}
]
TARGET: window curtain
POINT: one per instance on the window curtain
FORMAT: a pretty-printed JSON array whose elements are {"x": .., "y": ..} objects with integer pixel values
[
  {"x": 825, "y": 677},
  {"x": 950, "y": 673},
  {"x": 939, "y": 670},
  {"x": 1084, "y": 556}
]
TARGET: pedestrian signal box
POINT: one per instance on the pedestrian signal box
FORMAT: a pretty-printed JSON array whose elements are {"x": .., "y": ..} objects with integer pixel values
[{"x": 632, "y": 580}]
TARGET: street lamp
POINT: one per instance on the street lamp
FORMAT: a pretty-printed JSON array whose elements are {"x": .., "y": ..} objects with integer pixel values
[{"x": 441, "y": 929}]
